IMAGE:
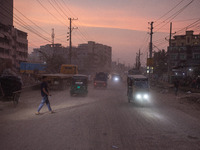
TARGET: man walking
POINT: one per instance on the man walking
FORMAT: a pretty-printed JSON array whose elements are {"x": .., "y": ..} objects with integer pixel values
[{"x": 45, "y": 94}]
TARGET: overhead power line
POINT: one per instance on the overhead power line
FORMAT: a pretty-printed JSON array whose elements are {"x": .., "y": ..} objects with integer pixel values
[
  {"x": 169, "y": 11},
  {"x": 24, "y": 25},
  {"x": 195, "y": 23},
  {"x": 60, "y": 8},
  {"x": 38, "y": 26},
  {"x": 186, "y": 20},
  {"x": 61, "y": 11},
  {"x": 50, "y": 12},
  {"x": 31, "y": 21},
  {"x": 169, "y": 19},
  {"x": 81, "y": 26},
  {"x": 56, "y": 9}
]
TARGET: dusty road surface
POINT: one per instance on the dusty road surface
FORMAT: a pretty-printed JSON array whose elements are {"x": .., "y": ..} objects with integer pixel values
[{"x": 104, "y": 120}]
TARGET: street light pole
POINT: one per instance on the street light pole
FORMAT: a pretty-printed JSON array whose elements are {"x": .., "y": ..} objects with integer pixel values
[{"x": 169, "y": 49}]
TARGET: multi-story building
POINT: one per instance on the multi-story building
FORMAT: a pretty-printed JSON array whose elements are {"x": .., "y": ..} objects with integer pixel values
[
  {"x": 90, "y": 57},
  {"x": 40, "y": 55},
  {"x": 13, "y": 42},
  {"x": 50, "y": 52},
  {"x": 94, "y": 57},
  {"x": 184, "y": 53}
]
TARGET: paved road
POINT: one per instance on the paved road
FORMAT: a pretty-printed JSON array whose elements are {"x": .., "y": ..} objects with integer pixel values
[{"x": 103, "y": 120}]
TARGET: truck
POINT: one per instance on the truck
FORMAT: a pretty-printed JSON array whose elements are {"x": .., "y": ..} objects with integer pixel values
[
  {"x": 62, "y": 79},
  {"x": 100, "y": 80}
]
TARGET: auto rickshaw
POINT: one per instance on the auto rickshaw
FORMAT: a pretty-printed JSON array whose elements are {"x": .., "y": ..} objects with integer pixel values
[
  {"x": 137, "y": 88},
  {"x": 79, "y": 85}
]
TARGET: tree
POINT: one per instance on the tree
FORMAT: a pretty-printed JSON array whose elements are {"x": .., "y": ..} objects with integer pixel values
[
  {"x": 53, "y": 62},
  {"x": 160, "y": 62}
]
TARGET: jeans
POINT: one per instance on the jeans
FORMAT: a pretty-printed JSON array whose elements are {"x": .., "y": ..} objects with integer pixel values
[{"x": 44, "y": 100}]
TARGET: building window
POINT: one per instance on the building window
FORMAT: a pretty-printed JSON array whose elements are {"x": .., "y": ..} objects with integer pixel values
[
  {"x": 182, "y": 57},
  {"x": 173, "y": 57},
  {"x": 196, "y": 56},
  {"x": 173, "y": 44},
  {"x": 188, "y": 40},
  {"x": 172, "y": 64}
]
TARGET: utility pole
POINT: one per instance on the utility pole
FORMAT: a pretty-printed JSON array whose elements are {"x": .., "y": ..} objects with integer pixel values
[
  {"x": 53, "y": 36},
  {"x": 138, "y": 63},
  {"x": 150, "y": 60},
  {"x": 170, "y": 44},
  {"x": 70, "y": 38},
  {"x": 151, "y": 45},
  {"x": 170, "y": 36}
]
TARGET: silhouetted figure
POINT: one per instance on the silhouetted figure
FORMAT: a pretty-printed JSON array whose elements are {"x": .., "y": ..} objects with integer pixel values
[
  {"x": 176, "y": 86},
  {"x": 198, "y": 83}
]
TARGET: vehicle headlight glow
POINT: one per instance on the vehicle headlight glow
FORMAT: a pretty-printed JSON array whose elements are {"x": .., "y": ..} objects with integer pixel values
[
  {"x": 116, "y": 79},
  {"x": 146, "y": 96},
  {"x": 139, "y": 96}
]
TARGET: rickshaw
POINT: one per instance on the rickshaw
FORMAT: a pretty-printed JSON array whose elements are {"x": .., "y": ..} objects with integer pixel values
[
  {"x": 79, "y": 85},
  {"x": 10, "y": 87},
  {"x": 137, "y": 88}
]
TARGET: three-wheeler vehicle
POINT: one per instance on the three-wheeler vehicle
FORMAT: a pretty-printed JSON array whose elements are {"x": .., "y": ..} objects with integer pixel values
[
  {"x": 137, "y": 88},
  {"x": 79, "y": 85},
  {"x": 100, "y": 80}
]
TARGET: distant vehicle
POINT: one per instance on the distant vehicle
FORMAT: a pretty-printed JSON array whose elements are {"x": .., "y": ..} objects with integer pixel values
[
  {"x": 62, "y": 79},
  {"x": 79, "y": 85},
  {"x": 69, "y": 69},
  {"x": 32, "y": 68},
  {"x": 100, "y": 80},
  {"x": 116, "y": 78},
  {"x": 137, "y": 88},
  {"x": 134, "y": 72}
]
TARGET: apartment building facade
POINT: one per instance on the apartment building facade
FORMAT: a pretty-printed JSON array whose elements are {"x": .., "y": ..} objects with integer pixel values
[
  {"x": 184, "y": 53},
  {"x": 89, "y": 57},
  {"x": 13, "y": 42},
  {"x": 94, "y": 57}
]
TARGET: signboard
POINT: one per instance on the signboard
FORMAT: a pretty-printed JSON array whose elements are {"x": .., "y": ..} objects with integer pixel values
[{"x": 149, "y": 61}]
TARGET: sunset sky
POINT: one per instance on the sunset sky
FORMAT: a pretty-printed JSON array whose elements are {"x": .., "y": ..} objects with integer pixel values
[{"x": 121, "y": 24}]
